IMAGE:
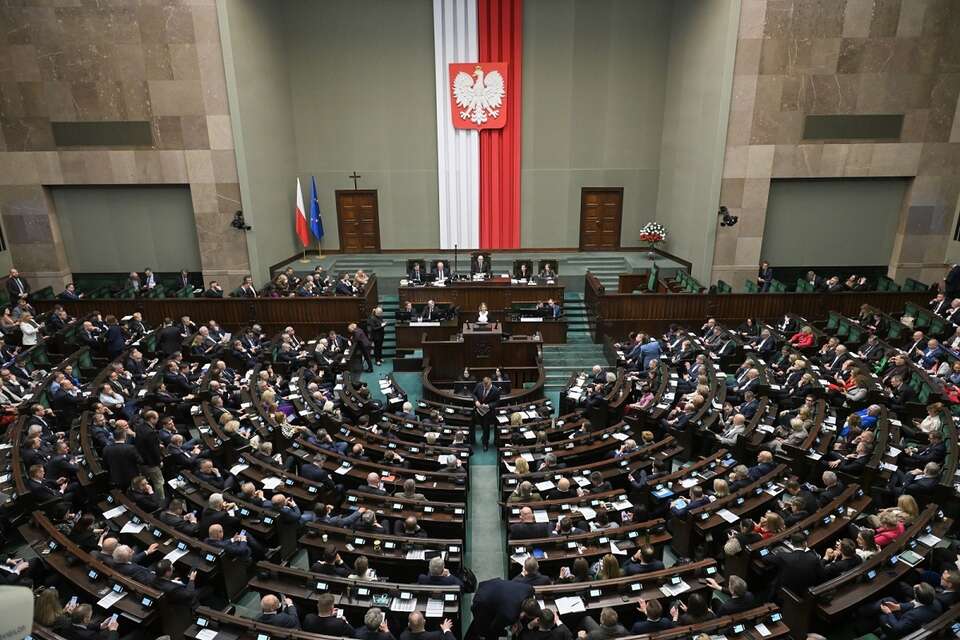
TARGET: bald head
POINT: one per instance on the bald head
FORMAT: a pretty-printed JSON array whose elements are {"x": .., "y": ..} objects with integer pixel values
[
  {"x": 215, "y": 532},
  {"x": 415, "y": 622},
  {"x": 269, "y": 603}
]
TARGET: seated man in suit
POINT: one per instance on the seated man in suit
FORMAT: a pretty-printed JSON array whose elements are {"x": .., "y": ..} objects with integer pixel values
[
  {"x": 480, "y": 265},
  {"x": 214, "y": 290},
  {"x": 438, "y": 574},
  {"x": 416, "y": 274},
  {"x": 528, "y": 528},
  {"x": 247, "y": 290},
  {"x": 326, "y": 620},
  {"x": 279, "y": 614},
  {"x": 440, "y": 272},
  {"x": 552, "y": 310},
  {"x": 70, "y": 293}
]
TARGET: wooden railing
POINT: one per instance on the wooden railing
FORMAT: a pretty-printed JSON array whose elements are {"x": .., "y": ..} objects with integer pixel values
[
  {"x": 619, "y": 313},
  {"x": 306, "y": 315}
]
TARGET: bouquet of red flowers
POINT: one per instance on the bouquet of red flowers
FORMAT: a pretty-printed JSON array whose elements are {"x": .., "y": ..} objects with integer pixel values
[{"x": 653, "y": 233}]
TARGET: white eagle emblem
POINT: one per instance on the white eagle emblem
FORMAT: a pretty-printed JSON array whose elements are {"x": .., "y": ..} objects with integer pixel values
[{"x": 479, "y": 99}]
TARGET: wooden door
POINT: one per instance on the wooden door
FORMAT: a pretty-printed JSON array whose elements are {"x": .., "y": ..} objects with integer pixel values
[
  {"x": 358, "y": 221},
  {"x": 600, "y": 213}
]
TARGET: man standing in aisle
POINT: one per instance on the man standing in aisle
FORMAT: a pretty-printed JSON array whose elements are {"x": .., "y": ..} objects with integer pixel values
[
  {"x": 485, "y": 397},
  {"x": 359, "y": 351},
  {"x": 375, "y": 331}
]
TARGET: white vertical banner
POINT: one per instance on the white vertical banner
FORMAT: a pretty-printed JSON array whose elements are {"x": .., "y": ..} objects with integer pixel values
[{"x": 458, "y": 150}]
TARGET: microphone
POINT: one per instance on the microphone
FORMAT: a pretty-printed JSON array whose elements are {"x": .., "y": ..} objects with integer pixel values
[{"x": 456, "y": 266}]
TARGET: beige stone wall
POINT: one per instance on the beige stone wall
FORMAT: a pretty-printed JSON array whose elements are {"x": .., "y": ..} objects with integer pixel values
[
  {"x": 799, "y": 57},
  {"x": 156, "y": 60}
]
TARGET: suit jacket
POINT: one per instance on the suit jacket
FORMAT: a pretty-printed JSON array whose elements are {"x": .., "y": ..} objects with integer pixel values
[
  {"x": 528, "y": 530},
  {"x": 169, "y": 340},
  {"x": 909, "y": 621},
  {"x": 17, "y": 286},
  {"x": 489, "y": 397},
  {"x": 496, "y": 604},
  {"x": 328, "y": 625},
  {"x": 799, "y": 570},
  {"x": 286, "y": 617},
  {"x": 416, "y": 276},
  {"x": 123, "y": 462},
  {"x": 437, "y": 275},
  {"x": 476, "y": 268}
]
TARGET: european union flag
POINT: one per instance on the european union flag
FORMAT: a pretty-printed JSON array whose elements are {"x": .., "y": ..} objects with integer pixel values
[{"x": 316, "y": 222}]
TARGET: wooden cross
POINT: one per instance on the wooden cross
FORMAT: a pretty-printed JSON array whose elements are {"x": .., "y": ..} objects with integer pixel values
[{"x": 355, "y": 177}]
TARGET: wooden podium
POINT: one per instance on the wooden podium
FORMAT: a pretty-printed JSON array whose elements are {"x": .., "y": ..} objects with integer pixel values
[
  {"x": 481, "y": 347},
  {"x": 482, "y": 344}
]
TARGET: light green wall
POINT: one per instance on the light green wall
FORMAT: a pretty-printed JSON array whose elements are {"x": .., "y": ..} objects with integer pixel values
[
  {"x": 703, "y": 37},
  {"x": 255, "y": 60},
  {"x": 148, "y": 227},
  {"x": 593, "y": 97},
  {"x": 363, "y": 97},
  {"x": 841, "y": 222}
]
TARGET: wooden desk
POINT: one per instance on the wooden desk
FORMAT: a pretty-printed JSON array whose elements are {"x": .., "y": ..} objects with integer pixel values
[
  {"x": 497, "y": 293},
  {"x": 480, "y": 349},
  {"x": 409, "y": 334},
  {"x": 307, "y": 315}
]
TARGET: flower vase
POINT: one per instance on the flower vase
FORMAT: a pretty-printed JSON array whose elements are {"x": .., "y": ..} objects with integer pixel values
[{"x": 651, "y": 254}]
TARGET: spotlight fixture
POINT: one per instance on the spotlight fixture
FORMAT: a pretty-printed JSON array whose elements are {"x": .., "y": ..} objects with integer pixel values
[
  {"x": 239, "y": 222},
  {"x": 727, "y": 220}
]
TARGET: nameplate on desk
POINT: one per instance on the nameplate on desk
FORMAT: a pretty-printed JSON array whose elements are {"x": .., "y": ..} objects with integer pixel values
[
  {"x": 425, "y": 324},
  {"x": 526, "y": 319}
]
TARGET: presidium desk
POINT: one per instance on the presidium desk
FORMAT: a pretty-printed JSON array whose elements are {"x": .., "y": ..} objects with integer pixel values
[
  {"x": 502, "y": 297},
  {"x": 483, "y": 348}
]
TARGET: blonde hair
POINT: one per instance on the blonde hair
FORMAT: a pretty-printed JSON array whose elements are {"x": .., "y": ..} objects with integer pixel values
[
  {"x": 523, "y": 467},
  {"x": 516, "y": 419},
  {"x": 721, "y": 488}
]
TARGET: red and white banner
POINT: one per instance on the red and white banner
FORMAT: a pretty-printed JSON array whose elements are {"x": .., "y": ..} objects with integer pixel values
[
  {"x": 478, "y": 47},
  {"x": 478, "y": 95},
  {"x": 300, "y": 215}
]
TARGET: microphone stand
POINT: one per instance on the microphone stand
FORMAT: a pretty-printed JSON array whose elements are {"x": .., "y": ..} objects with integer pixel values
[{"x": 456, "y": 267}]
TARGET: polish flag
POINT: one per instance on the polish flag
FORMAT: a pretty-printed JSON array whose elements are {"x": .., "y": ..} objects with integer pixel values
[{"x": 302, "y": 228}]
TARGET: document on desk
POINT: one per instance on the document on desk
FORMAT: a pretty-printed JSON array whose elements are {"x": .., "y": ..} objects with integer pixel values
[
  {"x": 728, "y": 515},
  {"x": 416, "y": 554},
  {"x": 405, "y": 605},
  {"x": 929, "y": 539},
  {"x": 545, "y": 485},
  {"x": 113, "y": 513},
  {"x": 615, "y": 550},
  {"x": 674, "y": 589},
  {"x": 110, "y": 599},
  {"x": 686, "y": 483},
  {"x": 132, "y": 527},
  {"x": 434, "y": 608},
  {"x": 762, "y": 630},
  {"x": 620, "y": 436},
  {"x": 206, "y": 634},
  {"x": 176, "y": 554},
  {"x": 587, "y": 513},
  {"x": 271, "y": 483},
  {"x": 569, "y": 604},
  {"x": 237, "y": 469},
  {"x": 541, "y": 515}
]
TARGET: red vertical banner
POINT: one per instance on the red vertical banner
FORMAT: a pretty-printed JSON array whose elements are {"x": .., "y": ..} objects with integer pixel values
[{"x": 500, "y": 24}]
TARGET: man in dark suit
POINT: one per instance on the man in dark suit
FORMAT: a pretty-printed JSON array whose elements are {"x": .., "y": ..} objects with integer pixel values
[
  {"x": 528, "y": 528},
  {"x": 899, "y": 619},
  {"x": 496, "y": 605},
  {"x": 376, "y": 330},
  {"x": 17, "y": 287},
  {"x": 326, "y": 621},
  {"x": 416, "y": 275},
  {"x": 360, "y": 353},
  {"x": 480, "y": 265},
  {"x": 169, "y": 338},
  {"x": 345, "y": 287},
  {"x": 279, "y": 614},
  {"x": 122, "y": 460},
  {"x": 900, "y": 394},
  {"x": 174, "y": 590},
  {"x": 148, "y": 446},
  {"x": 123, "y": 557},
  {"x": 799, "y": 567},
  {"x": 438, "y": 575},
  {"x": 70, "y": 293},
  {"x": 213, "y": 291},
  {"x": 485, "y": 398},
  {"x": 764, "y": 466},
  {"x": 416, "y": 629},
  {"x": 440, "y": 271},
  {"x": 247, "y": 290}
]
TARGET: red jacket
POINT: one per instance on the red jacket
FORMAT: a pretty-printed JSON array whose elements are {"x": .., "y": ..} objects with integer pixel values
[
  {"x": 802, "y": 340},
  {"x": 884, "y": 536}
]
